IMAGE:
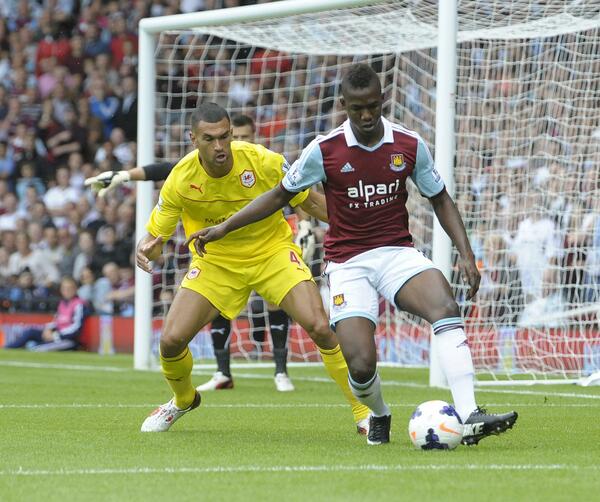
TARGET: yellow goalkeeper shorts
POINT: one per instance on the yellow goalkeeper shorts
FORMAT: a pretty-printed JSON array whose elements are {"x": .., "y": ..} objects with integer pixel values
[{"x": 228, "y": 287}]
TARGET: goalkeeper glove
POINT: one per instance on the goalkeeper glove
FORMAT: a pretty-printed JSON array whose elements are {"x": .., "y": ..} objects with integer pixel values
[
  {"x": 106, "y": 181},
  {"x": 305, "y": 240}
]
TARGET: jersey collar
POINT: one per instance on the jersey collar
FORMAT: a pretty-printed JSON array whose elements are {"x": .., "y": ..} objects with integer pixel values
[{"x": 388, "y": 135}]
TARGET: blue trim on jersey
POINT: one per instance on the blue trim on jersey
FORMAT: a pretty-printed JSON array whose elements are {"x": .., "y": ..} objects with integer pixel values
[
  {"x": 307, "y": 171},
  {"x": 425, "y": 176}
]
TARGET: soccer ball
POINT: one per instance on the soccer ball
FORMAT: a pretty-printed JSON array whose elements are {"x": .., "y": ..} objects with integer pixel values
[{"x": 435, "y": 425}]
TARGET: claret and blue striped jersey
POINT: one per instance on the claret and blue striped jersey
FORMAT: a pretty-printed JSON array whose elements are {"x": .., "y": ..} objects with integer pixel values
[{"x": 365, "y": 187}]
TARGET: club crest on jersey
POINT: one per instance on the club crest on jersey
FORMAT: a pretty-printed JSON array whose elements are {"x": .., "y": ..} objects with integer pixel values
[
  {"x": 397, "y": 163},
  {"x": 248, "y": 178},
  {"x": 339, "y": 301},
  {"x": 193, "y": 273}
]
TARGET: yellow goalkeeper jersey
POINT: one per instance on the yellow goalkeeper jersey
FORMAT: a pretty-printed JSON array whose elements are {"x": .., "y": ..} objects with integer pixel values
[{"x": 200, "y": 201}]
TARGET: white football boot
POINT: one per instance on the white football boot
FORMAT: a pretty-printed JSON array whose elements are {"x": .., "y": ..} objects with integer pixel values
[
  {"x": 217, "y": 382},
  {"x": 161, "y": 419},
  {"x": 283, "y": 383},
  {"x": 362, "y": 427}
]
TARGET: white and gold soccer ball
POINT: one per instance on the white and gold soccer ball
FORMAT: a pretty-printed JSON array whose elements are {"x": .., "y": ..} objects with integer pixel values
[{"x": 435, "y": 425}]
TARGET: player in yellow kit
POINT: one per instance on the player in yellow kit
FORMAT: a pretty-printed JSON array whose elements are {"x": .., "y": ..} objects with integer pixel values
[{"x": 206, "y": 187}]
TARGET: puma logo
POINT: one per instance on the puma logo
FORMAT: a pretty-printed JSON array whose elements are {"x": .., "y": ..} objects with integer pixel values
[{"x": 196, "y": 187}]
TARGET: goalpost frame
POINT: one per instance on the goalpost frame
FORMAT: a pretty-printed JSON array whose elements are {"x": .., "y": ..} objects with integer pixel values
[
  {"x": 444, "y": 147},
  {"x": 148, "y": 28}
]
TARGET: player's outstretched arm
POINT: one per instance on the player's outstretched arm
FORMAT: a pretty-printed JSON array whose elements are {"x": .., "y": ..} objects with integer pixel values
[
  {"x": 148, "y": 249},
  {"x": 108, "y": 180},
  {"x": 452, "y": 223},
  {"x": 257, "y": 210}
]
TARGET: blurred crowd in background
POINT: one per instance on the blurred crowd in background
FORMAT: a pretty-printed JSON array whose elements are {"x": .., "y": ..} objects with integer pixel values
[{"x": 68, "y": 110}]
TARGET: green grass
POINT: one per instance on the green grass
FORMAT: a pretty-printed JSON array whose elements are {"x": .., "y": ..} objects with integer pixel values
[{"x": 72, "y": 434}]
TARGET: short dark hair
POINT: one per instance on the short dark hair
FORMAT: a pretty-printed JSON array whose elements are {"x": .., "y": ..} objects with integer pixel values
[
  {"x": 241, "y": 120},
  {"x": 359, "y": 76},
  {"x": 208, "y": 112}
]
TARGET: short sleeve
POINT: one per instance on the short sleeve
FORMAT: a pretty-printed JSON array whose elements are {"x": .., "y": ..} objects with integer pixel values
[
  {"x": 425, "y": 176},
  {"x": 165, "y": 215},
  {"x": 307, "y": 171},
  {"x": 300, "y": 197}
]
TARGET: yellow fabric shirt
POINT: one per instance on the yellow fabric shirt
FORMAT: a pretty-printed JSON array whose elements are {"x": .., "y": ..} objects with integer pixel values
[{"x": 202, "y": 201}]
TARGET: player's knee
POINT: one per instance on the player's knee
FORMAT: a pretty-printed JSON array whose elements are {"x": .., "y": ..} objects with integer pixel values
[
  {"x": 319, "y": 331},
  {"x": 171, "y": 344},
  {"x": 362, "y": 369},
  {"x": 449, "y": 308}
]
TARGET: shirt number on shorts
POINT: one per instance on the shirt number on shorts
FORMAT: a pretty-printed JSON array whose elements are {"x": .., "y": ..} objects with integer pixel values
[{"x": 294, "y": 259}]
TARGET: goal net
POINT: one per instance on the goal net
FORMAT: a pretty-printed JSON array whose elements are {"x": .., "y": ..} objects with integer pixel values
[{"x": 526, "y": 171}]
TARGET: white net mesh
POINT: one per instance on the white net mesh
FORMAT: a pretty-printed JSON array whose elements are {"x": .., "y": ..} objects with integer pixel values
[{"x": 526, "y": 175}]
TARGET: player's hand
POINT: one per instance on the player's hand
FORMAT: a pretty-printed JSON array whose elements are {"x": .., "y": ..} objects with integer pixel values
[
  {"x": 305, "y": 240},
  {"x": 107, "y": 181},
  {"x": 145, "y": 250},
  {"x": 470, "y": 274},
  {"x": 202, "y": 237}
]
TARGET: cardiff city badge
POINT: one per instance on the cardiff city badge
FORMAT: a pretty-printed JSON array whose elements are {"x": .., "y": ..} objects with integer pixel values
[
  {"x": 397, "y": 163},
  {"x": 248, "y": 178}
]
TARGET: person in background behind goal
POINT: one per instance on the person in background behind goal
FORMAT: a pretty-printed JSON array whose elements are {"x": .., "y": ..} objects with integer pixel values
[
  {"x": 364, "y": 165},
  {"x": 216, "y": 179},
  {"x": 243, "y": 129},
  {"x": 63, "y": 332}
]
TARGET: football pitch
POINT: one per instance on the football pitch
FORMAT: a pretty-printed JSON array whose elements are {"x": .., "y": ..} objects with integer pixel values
[{"x": 69, "y": 430}]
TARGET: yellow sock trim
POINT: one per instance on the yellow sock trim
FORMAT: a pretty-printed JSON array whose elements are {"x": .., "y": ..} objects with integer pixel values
[
  {"x": 178, "y": 373},
  {"x": 336, "y": 367}
]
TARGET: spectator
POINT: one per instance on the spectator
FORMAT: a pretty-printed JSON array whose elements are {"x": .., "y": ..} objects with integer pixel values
[
  {"x": 64, "y": 331},
  {"x": 60, "y": 198},
  {"x": 28, "y": 179},
  {"x": 107, "y": 296},
  {"x": 8, "y": 220},
  {"x": 50, "y": 248},
  {"x": 535, "y": 247},
  {"x": 26, "y": 296},
  {"x": 85, "y": 256},
  {"x": 102, "y": 106},
  {"x": 45, "y": 273},
  {"x": 70, "y": 137},
  {"x": 87, "y": 290},
  {"x": 7, "y": 163},
  {"x": 69, "y": 252},
  {"x": 126, "y": 116},
  {"x": 500, "y": 297}
]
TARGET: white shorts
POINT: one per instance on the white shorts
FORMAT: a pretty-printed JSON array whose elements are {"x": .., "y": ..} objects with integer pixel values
[{"x": 355, "y": 285}]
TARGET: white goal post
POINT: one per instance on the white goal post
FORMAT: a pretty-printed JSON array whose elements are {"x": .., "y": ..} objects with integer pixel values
[{"x": 504, "y": 93}]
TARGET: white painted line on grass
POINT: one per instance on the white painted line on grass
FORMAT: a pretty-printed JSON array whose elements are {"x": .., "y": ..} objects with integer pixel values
[
  {"x": 296, "y": 468},
  {"x": 77, "y": 367},
  {"x": 391, "y": 383},
  {"x": 45, "y": 406}
]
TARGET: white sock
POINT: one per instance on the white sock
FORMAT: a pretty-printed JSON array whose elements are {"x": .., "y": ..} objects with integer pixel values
[
  {"x": 455, "y": 358},
  {"x": 369, "y": 394}
]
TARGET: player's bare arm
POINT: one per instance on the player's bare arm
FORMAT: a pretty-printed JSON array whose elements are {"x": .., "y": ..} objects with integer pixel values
[
  {"x": 261, "y": 207},
  {"x": 315, "y": 206},
  {"x": 452, "y": 223},
  {"x": 148, "y": 249}
]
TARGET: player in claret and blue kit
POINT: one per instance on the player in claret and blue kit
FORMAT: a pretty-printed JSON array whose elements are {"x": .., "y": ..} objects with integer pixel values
[{"x": 364, "y": 165}]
